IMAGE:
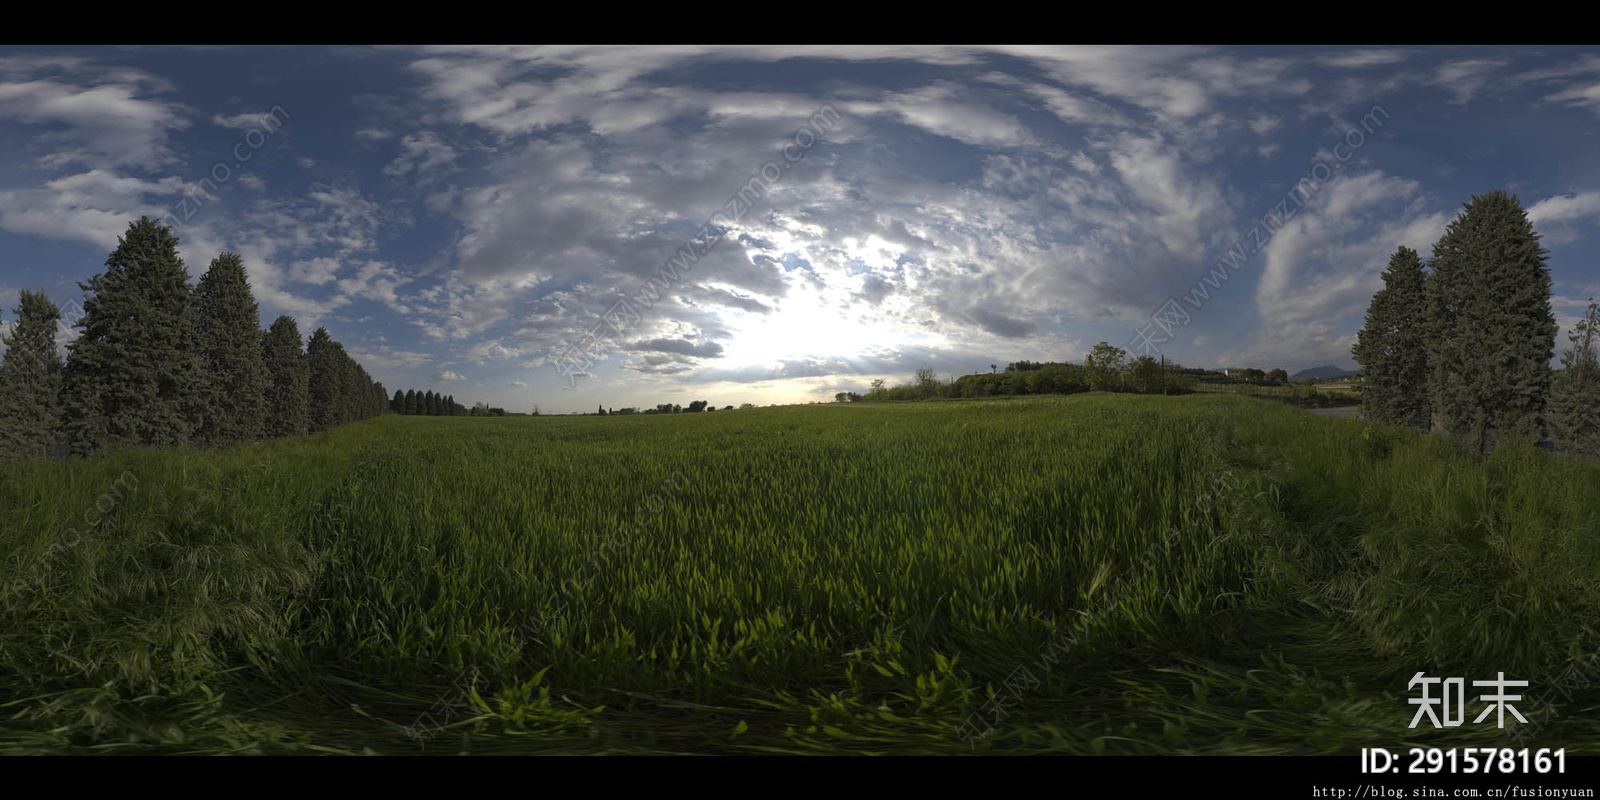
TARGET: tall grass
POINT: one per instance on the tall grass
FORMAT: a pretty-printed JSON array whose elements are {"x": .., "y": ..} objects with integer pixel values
[{"x": 1227, "y": 575}]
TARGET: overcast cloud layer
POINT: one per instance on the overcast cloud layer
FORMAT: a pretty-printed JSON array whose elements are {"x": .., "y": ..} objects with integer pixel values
[{"x": 459, "y": 217}]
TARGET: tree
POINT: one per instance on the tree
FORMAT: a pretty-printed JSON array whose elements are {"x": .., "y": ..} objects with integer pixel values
[
  {"x": 1575, "y": 390},
  {"x": 1277, "y": 377},
  {"x": 228, "y": 330},
  {"x": 134, "y": 376},
  {"x": 354, "y": 384},
  {"x": 1104, "y": 364},
  {"x": 1145, "y": 374},
  {"x": 398, "y": 404},
  {"x": 288, "y": 379},
  {"x": 926, "y": 382},
  {"x": 411, "y": 402},
  {"x": 1491, "y": 333},
  {"x": 696, "y": 407},
  {"x": 30, "y": 380},
  {"x": 1392, "y": 348},
  {"x": 322, "y": 366}
]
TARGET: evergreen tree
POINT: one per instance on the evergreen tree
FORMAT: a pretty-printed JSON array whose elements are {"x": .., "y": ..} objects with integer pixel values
[
  {"x": 411, "y": 402},
  {"x": 352, "y": 385},
  {"x": 30, "y": 380},
  {"x": 322, "y": 366},
  {"x": 1575, "y": 390},
  {"x": 398, "y": 404},
  {"x": 1393, "y": 346},
  {"x": 1491, "y": 331},
  {"x": 134, "y": 376},
  {"x": 288, "y": 380},
  {"x": 229, "y": 334}
]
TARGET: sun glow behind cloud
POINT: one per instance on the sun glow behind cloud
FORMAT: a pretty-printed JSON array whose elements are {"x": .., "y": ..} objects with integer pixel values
[{"x": 811, "y": 325}]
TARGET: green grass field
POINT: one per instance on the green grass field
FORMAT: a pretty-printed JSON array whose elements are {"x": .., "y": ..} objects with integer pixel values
[{"x": 1123, "y": 574}]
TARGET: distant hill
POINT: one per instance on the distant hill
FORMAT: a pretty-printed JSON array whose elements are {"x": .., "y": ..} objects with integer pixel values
[{"x": 1322, "y": 373}]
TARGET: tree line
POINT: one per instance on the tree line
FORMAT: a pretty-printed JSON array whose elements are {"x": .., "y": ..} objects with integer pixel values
[
  {"x": 1105, "y": 368},
  {"x": 161, "y": 362},
  {"x": 696, "y": 407},
  {"x": 1463, "y": 344},
  {"x": 427, "y": 404}
]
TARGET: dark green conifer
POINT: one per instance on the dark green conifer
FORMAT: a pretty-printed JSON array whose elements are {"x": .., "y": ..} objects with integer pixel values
[{"x": 30, "y": 380}]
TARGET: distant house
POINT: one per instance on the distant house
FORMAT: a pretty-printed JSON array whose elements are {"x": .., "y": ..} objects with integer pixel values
[{"x": 1234, "y": 372}]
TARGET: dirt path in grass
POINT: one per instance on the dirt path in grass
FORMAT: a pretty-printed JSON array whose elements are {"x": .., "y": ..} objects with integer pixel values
[{"x": 1336, "y": 411}]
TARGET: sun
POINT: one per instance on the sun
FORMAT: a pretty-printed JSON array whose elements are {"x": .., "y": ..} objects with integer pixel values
[{"x": 805, "y": 325}]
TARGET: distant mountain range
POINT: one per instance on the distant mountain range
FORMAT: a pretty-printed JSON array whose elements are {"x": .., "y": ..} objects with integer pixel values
[{"x": 1322, "y": 373}]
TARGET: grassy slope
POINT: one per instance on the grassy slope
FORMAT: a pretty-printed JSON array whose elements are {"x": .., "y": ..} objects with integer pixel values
[{"x": 1186, "y": 574}]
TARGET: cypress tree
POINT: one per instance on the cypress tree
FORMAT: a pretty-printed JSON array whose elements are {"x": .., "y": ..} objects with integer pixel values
[
  {"x": 229, "y": 334},
  {"x": 287, "y": 379},
  {"x": 1392, "y": 348},
  {"x": 348, "y": 377},
  {"x": 398, "y": 404},
  {"x": 30, "y": 380},
  {"x": 134, "y": 376},
  {"x": 411, "y": 402},
  {"x": 1491, "y": 330},
  {"x": 322, "y": 367},
  {"x": 1575, "y": 390}
]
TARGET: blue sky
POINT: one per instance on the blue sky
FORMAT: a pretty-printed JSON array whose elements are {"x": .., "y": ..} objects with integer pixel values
[{"x": 460, "y": 218}]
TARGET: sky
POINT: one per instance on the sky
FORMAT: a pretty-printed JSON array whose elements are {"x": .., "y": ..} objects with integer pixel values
[{"x": 487, "y": 222}]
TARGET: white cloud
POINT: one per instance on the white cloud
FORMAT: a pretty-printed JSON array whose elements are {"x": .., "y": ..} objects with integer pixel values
[
  {"x": 269, "y": 121},
  {"x": 1566, "y": 208},
  {"x": 1362, "y": 59},
  {"x": 422, "y": 153},
  {"x": 92, "y": 117},
  {"x": 1580, "y": 96},
  {"x": 94, "y": 206},
  {"x": 1464, "y": 79}
]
